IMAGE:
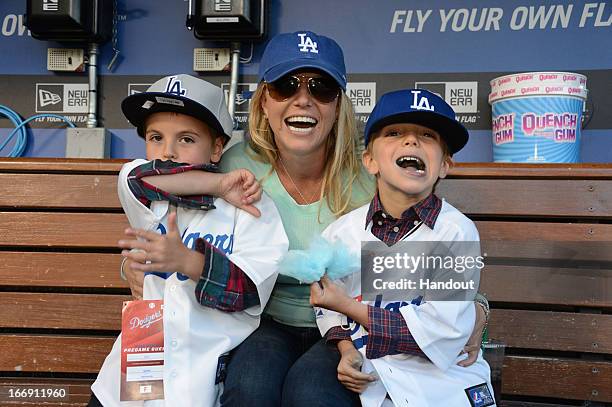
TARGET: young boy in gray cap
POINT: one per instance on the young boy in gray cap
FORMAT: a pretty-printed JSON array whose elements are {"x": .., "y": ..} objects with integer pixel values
[{"x": 213, "y": 264}]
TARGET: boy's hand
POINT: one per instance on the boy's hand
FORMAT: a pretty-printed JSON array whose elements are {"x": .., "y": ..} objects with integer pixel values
[
  {"x": 349, "y": 368},
  {"x": 241, "y": 189},
  {"x": 328, "y": 295},
  {"x": 472, "y": 347},
  {"x": 165, "y": 253}
]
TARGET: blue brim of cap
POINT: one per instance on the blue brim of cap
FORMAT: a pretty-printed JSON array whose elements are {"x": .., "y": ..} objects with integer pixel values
[
  {"x": 135, "y": 113},
  {"x": 453, "y": 133},
  {"x": 279, "y": 70}
]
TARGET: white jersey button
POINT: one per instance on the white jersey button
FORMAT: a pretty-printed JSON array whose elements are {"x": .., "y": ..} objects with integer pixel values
[{"x": 396, "y": 229}]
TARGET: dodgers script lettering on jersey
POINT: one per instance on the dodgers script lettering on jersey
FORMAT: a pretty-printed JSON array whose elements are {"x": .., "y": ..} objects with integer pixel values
[
  {"x": 307, "y": 44},
  {"x": 223, "y": 242}
]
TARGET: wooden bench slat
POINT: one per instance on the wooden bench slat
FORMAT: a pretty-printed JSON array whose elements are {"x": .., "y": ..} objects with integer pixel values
[
  {"x": 565, "y": 253},
  {"x": 543, "y": 285},
  {"x": 77, "y": 191},
  {"x": 541, "y": 198},
  {"x": 562, "y": 331},
  {"x": 78, "y": 390},
  {"x": 459, "y": 170},
  {"x": 61, "y": 311},
  {"x": 61, "y": 229},
  {"x": 521, "y": 171},
  {"x": 61, "y": 269},
  {"x": 54, "y": 165},
  {"x": 516, "y": 231},
  {"x": 557, "y": 378},
  {"x": 53, "y": 353}
]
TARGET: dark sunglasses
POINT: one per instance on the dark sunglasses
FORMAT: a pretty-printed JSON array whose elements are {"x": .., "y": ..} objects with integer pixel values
[{"x": 323, "y": 89}]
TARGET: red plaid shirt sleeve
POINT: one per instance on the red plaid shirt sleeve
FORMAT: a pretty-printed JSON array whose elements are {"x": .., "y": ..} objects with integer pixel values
[
  {"x": 337, "y": 334},
  {"x": 389, "y": 335},
  {"x": 223, "y": 285},
  {"x": 146, "y": 193}
]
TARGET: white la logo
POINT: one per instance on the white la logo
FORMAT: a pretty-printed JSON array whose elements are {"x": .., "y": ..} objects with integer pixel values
[
  {"x": 307, "y": 44},
  {"x": 422, "y": 103}
]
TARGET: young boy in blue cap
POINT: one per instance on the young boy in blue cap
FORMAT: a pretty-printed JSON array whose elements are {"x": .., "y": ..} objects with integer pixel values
[{"x": 410, "y": 138}]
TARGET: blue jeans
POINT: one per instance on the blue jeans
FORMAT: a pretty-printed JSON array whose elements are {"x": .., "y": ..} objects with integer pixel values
[{"x": 280, "y": 365}]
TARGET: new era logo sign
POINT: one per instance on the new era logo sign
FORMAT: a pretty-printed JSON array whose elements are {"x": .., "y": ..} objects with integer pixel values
[
  {"x": 62, "y": 97},
  {"x": 134, "y": 88},
  {"x": 420, "y": 102},
  {"x": 46, "y": 98},
  {"x": 307, "y": 44},
  {"x": 243, "y": 93},
  {"x": 462, "y": 96}
]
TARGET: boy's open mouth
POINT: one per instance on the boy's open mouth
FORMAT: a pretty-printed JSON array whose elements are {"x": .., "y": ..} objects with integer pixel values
[
  {"x": 409, "y": 161},
  {"x": 300, "y": 123}
]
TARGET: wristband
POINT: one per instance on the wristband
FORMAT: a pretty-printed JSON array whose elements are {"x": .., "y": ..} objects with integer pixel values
[
  {"x": 481, "y": 300},
  {"x": 121, "y": 270}
]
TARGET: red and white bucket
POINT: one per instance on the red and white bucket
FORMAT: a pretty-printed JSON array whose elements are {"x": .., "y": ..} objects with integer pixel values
[{"x": 537, "y": 116}]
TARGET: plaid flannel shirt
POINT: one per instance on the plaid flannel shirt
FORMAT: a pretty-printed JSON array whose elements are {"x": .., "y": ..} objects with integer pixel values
[
  {"x": 222, "y": 285},
  {"x": 388, "y": 333},
  {"x": 146, "y": 193}
]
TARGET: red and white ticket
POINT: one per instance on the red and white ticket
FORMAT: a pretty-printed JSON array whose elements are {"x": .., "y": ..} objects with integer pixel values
[{"x": 142, "y": 350}]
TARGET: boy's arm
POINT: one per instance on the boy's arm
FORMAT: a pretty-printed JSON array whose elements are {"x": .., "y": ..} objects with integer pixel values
[
  {"x": 388, "y": 332},
  {"x": 193, "y": 186}
]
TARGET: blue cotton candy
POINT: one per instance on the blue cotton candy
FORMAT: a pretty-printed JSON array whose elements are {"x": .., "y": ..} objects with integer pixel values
[
  {"x": 343, "y": 262},
  {"x": 300, "y": 265},
  {"x": 308, "y": 266}
]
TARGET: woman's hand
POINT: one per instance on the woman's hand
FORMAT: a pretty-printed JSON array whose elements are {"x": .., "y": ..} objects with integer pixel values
[
  {"x": 349, "y": 368},
  {"x": 134, "y": 279},
  {"x": 472, "y": 347},
  {"x": 241, "y": 189}
]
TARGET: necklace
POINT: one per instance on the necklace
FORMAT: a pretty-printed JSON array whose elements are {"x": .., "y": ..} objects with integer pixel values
[{"x": 306, "y": 202}]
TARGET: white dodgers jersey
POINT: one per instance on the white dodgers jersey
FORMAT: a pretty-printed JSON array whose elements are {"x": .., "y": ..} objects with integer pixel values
[
  {"x": 440, "y": 328},
  {"x": 194, "y": 335}
]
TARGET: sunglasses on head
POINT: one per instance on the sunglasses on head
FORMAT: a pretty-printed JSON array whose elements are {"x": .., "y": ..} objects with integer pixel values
[{"x": 324, "y": 89}]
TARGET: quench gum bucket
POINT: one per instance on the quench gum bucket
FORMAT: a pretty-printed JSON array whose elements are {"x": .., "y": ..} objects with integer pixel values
[{"x": 537, "y": 117}]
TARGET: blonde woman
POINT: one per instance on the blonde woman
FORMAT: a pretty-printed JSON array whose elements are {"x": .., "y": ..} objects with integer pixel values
[{"x": 303, "y": 148}]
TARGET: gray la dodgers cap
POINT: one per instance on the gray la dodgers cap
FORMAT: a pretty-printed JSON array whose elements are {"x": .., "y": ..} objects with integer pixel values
[{"x": 181, "y": 94}]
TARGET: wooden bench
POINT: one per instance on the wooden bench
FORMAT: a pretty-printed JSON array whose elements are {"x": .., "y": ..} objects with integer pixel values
[
  {"x": 555, "y": 317},
  {"x": 61, "y": 295}
]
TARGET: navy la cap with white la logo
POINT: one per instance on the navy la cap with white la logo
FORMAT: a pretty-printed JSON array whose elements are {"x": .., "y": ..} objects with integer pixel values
[
  {"x": 418, "y": 106},
  {"x": 180, "y": 94},
  {"x": 302, "y": 49}
]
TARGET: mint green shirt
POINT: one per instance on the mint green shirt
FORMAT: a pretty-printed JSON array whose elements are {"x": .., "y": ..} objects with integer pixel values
[{"x": 289, "y": 303}]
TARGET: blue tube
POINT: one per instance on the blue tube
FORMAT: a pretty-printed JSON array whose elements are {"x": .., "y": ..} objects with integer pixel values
[{"x": 20, "y": 129}]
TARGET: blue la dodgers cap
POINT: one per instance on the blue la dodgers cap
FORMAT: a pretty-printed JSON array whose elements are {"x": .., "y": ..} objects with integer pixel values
[
  {"x": 180, "y": 94},
  {"x": 418, "y": 106},
  {"x": 302, "y": 49}
]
